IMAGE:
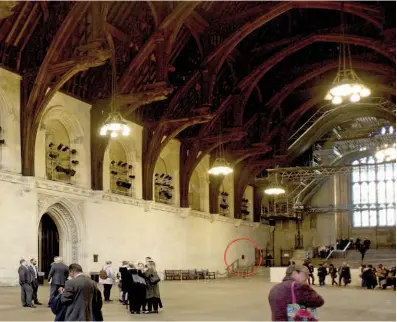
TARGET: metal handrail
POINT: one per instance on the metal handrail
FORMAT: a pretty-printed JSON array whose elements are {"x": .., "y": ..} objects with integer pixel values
[{"x": 338, "y": 250}]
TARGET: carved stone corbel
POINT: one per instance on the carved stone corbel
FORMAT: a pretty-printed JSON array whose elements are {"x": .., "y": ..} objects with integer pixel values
[
  {"x": 214, "y": 217},
  {"x": 237, "y": 222},
  {"x": 147, "y": 205}
]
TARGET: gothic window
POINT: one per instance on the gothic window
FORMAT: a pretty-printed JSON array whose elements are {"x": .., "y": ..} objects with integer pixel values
[{"x": 373, "y": 193}]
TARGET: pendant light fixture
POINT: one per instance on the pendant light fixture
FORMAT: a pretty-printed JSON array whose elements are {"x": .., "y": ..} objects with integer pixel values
[
  {"x": 347, "y": 86},
  {"x": 220, "y": 165},
  {"x": 274, "y": 189},
  {"x": 115, "y": 124}
]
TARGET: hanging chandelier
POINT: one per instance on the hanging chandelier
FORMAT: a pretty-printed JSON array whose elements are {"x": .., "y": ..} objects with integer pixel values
[
  {"x": 274, "y": 189},
  {"x": 220, "y": 167},
  {"x": 347, "y": 86},
  {"x": 115, "y": 124}
]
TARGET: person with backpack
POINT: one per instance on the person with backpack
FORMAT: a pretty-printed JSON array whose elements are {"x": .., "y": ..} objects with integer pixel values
[
  {"x": 152, "y": 288},
  {"x": 106, "y": 278}
]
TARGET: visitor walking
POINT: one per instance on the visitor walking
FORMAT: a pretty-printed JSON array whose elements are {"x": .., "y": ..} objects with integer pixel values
[{"x": 293, "y": 290}]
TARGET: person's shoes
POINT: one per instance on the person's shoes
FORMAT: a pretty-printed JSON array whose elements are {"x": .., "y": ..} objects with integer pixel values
[
  {"x": 146, "y": 312},
  {"x": 155, "y": 311},
  {"x": 31, "y": 306},
  {"x": 38, "y": 303},
  {"x": 25, "y": 305}
]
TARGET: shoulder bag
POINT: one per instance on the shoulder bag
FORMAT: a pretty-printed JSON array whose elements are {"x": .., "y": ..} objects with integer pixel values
[{"x": 296, "y": 312}]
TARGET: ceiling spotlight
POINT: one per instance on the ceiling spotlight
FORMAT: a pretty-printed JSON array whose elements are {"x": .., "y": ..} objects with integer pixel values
[
  {"x": 51, "y": 145},
  {"x": 131, "y": 177},
  {"x": 65, "y": 149},
  {"x": 2, "y": 141},
  {"x": 73, "y": 151},
  {"x": 75, "y": 162},
  {"x": 69, "y": 172},
  {"x": 113, "y": 162},
  {"x": 124, "y": 164},
  {"x": 53, "y": 155},
  {"x": 113, "y": 172},
  {"x": 119, "y": 163},
  {"x": 130, "y": 167},
  {"x": 60, "y": 146}
]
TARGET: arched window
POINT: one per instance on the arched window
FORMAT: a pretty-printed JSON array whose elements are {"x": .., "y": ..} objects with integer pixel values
[{"x": 373, "y": 193}]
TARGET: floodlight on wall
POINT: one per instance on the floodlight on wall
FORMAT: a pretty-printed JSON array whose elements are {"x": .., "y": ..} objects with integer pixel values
[
  {"x": 123, "y": 184},
  {"x": 68, "y": 172}
]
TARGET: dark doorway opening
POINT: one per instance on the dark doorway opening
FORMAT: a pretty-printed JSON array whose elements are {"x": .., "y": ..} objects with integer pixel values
[{"x": 48, "y": 243}]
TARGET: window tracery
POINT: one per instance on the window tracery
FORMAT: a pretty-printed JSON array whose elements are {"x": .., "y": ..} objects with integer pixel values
[{"x": 373, "y": 193}]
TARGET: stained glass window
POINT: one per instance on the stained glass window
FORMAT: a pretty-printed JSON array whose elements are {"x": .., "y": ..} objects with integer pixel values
[{"x": 373, "y": 193}]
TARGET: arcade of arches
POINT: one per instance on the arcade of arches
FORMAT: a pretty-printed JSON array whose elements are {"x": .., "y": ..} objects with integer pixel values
[{"x": 70, "y": 192}]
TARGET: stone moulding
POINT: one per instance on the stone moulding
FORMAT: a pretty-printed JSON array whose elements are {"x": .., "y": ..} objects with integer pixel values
[
  {"x": 164, "y": 207},
  {"x": 52, "y": 188},
  {"x": 123, "y": 199}
]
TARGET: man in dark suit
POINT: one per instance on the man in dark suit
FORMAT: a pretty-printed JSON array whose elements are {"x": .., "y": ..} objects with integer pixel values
[
  {"x": 35, "y": 284},
  {"x": 25, "y": 280},
  {"x": 57, "y": 276},
  {"x": 81, "y": 297}
]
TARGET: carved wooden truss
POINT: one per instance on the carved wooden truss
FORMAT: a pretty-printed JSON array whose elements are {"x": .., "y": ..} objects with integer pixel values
[{"x": 239, "y": 74}]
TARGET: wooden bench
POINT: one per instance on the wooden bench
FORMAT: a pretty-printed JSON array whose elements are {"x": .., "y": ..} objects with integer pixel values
[{"x": 172, "y": 274}]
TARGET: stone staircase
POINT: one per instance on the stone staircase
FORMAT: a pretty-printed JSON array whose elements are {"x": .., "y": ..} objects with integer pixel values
[
  {"x": 385, "y": 256},
  {"x": 263, "y": 272}
]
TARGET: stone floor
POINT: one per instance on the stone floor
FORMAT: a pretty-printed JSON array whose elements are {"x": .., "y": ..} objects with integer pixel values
[{"x": 221, "y": 300}]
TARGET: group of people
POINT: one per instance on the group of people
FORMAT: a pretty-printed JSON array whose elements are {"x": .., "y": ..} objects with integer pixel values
[
  {"x": 73, "y": 295},
  {"x": 28, "y": 280},
  {"x": 138, "y": 285},
  {"x": 324, "y": 269},
  {"x": 381, "y": 276}
]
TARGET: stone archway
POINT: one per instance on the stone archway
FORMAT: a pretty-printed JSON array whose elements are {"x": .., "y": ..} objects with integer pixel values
[{"x": 68, "y": 219}]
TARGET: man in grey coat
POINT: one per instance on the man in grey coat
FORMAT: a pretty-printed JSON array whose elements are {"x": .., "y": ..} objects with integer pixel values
[
  {"x": 79, "y": 296},
  {"x": 35, "y": 284},
  {"x": 25, "y": 280},
  {"x": 57, "y": 276}
]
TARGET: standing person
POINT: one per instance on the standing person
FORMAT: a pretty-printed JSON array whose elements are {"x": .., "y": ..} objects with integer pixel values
[
  {"x": 57, "y": 276},
  {"x": 333, "y": 273},
  {"x": 363, "y": 250},
  {"x": 152, "y": 288},
  {"x": 136, "y": 291},
  {"x": 141, "y": 273},
  {"x": 25, "y": 280},
  {"x": 295, "y": 281},
  {"x": 35, "y": 284},
  {"x": 321, "y": 273},
  {"x": 80, "y": 296},
  {"x": 367, "y": 243},
  {"x": 268, "y": 260},
  {"x": 106, "y": 277},
  {"x": 344, "y": 273},
  {"x": 124, "y": 287}
]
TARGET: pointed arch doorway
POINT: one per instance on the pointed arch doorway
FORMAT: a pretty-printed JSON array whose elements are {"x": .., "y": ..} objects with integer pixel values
[{"x": 48, "y": 243}]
